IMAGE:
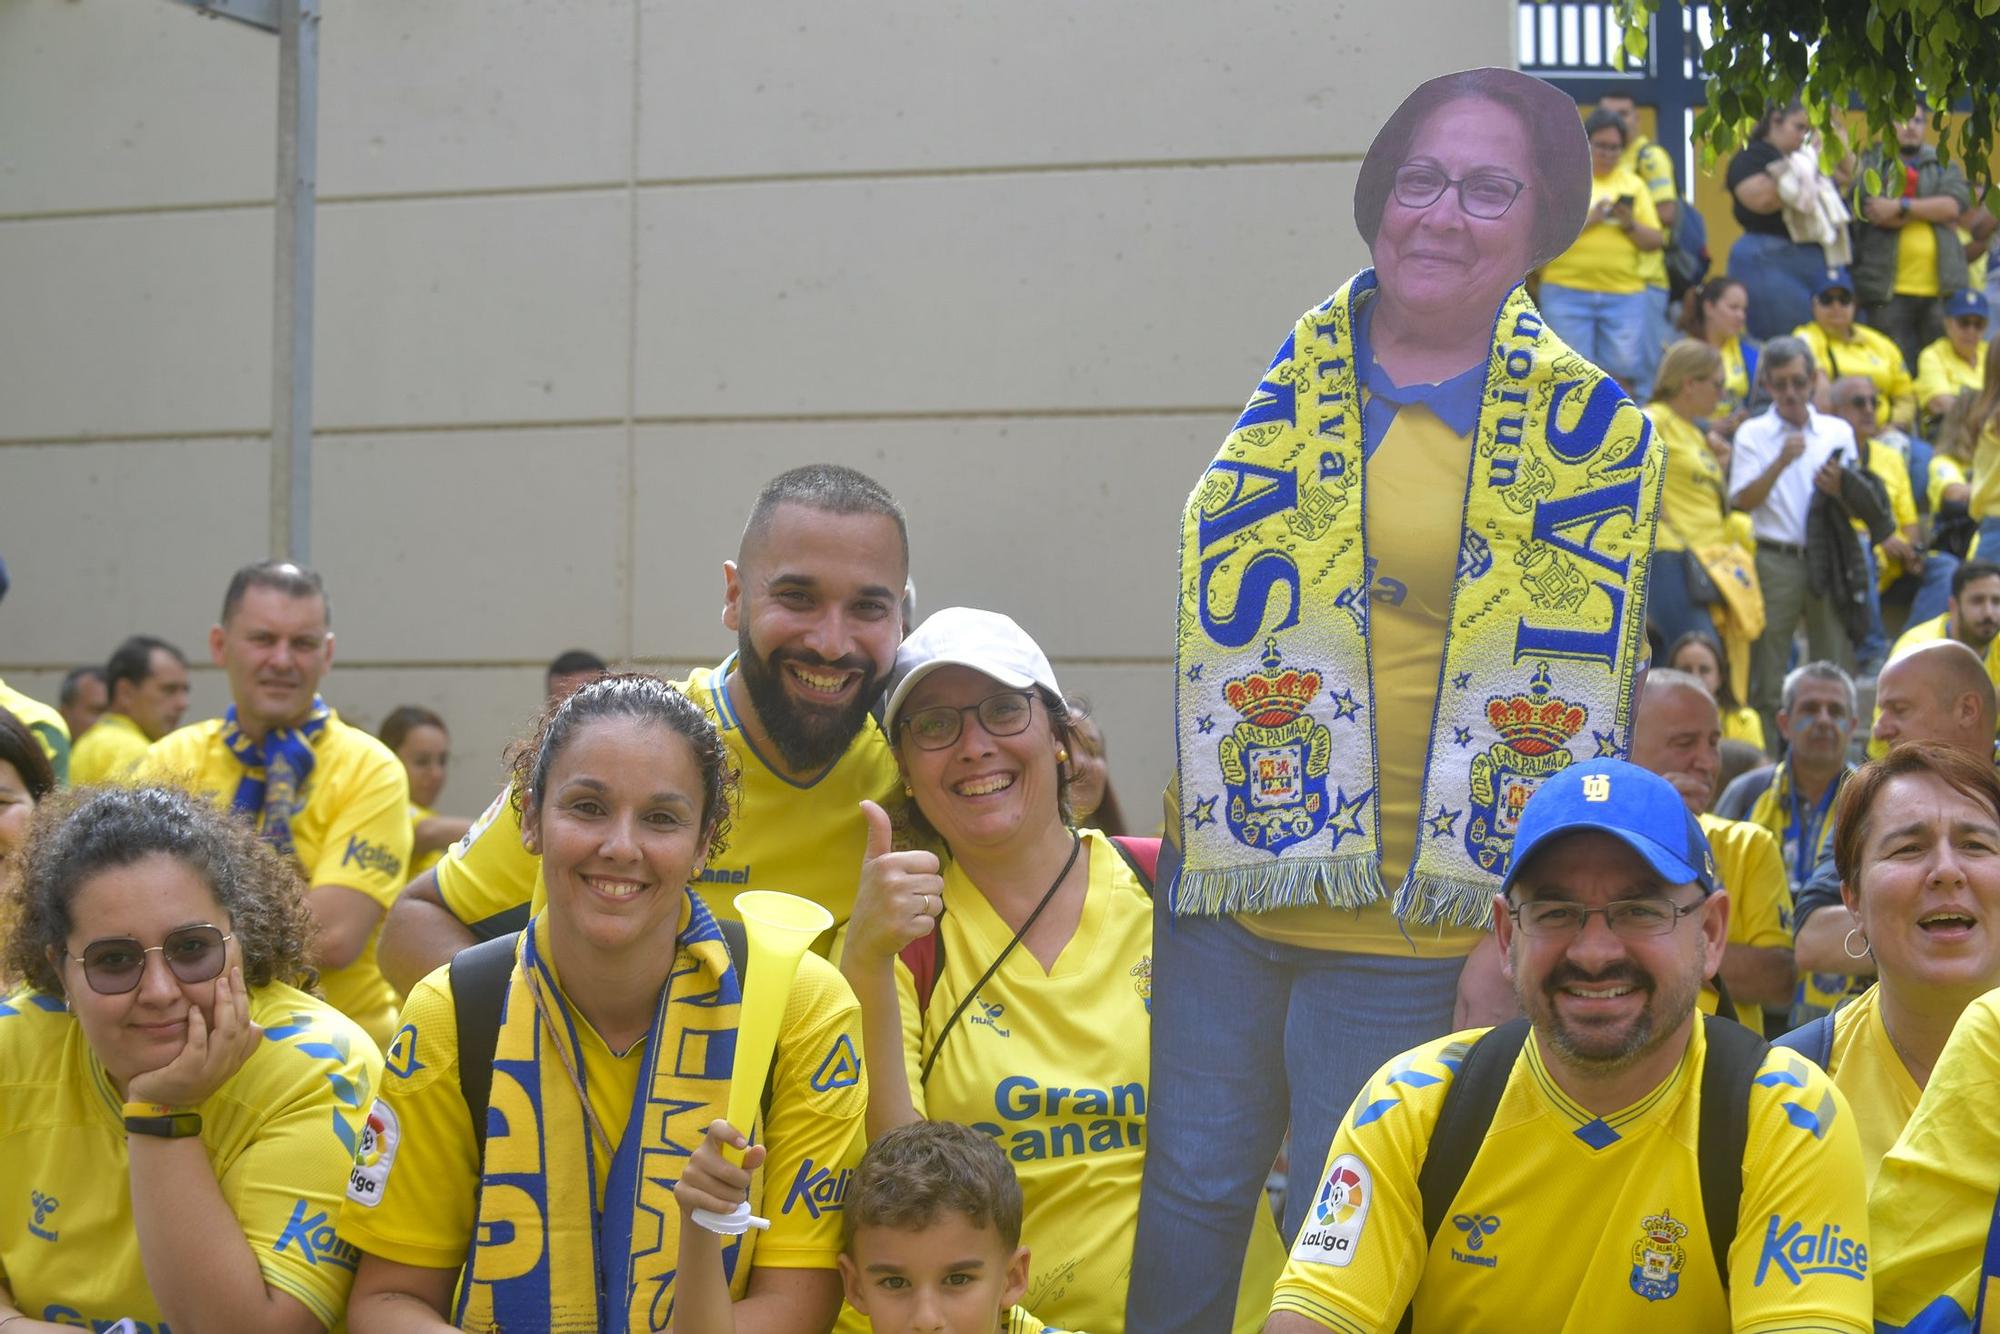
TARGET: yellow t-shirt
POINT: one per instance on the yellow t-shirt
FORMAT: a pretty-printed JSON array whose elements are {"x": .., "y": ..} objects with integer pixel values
[
  {"x": 802, "y": 838},
  {"x": 353, "y": 831},
  {"x": 1916, "y": 259},
  {"x": 1870, "y": 354},
  {"x": 1985, "y": 500},
  {"x": 47, "y": 725},
  {"x": 1416, "y": 491},
  {"x": 1867, "y": 1069},
  {"x": 1945, "y": 471},
  {"x": 1941, "y": 372},
  {"x": 1932, "y": 1202},
  {"x": 1892, "y": 466},
  {"x": 1752, "y": 869},
  {"x": 1695, "y": 501},
  {"x": 1744, "y": 724},
  {"x": 280, "y": 1134},
  {"x": 1603, "y": 258},
  {"x": 1650, "y": 163},
  {"x": 108, "y": 752},
  {"x": 1056, "y": 1067},
  {"x": 419, "y": 863},
  {"x": 425, "y": 1181},
  {"x": 1735, "y": 376},
  {"x": 1573, "y": 1222},
  {"x": 1926, "y": 632}
]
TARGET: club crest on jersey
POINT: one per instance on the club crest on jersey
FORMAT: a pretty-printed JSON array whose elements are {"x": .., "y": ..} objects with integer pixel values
[
  {"x": 1274, "y": 762},
  {"x": 1141, "y": 974},
  {"x": 1658, "y": 1256},
  {"x": 1535, "y": 728}
]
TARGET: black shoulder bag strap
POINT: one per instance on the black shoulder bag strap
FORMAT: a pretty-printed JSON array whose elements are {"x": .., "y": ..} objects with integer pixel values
[
  {"x": 1462, "y": 1123},
  {"x": 479, "y": 976},
  {"x": 1734, "y": 1053},
  {"x": 478, "y": 986}
]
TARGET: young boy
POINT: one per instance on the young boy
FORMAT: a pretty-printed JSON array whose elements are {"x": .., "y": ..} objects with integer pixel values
[{"x": 933, "y": 1235}]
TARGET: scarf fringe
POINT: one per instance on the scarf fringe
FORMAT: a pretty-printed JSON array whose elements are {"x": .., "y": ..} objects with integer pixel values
[
  {"x": 1437, "y": 900},
  {"x": 1333, "y": 882}
]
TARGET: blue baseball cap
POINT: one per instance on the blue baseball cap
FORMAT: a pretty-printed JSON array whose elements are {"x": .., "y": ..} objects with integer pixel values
[
  {"x": 1634, "y": 805},
  {"x": 1836, "y": 280},
  {"x": 1971, "y": 301}
]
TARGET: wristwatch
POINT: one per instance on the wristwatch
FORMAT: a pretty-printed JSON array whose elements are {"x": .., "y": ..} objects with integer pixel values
[
  {"x": 162, "y": 1121},
  {"x": 1903, "y": 206}
]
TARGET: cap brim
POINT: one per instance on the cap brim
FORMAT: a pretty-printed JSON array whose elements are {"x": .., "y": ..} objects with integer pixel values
[
  {"x": 1669, "y": 865},
  {"x": 1011, "y": 680}
]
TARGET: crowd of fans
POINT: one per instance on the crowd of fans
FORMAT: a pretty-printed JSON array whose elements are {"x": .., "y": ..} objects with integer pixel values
[{"x": 413, "y": 1071}]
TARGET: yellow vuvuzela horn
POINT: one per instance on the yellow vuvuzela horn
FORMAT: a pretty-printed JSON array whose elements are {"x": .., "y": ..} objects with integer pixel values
[{"x": 779, "y": 928}]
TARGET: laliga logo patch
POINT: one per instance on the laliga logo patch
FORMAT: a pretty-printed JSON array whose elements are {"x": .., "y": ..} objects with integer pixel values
[
  {"x": 1338, "y": 1214},
  {"x": 369, "y": 1179}
]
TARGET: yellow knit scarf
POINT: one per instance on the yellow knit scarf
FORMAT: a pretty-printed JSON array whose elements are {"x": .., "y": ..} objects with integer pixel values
[{"x": 1278, "y": 775}]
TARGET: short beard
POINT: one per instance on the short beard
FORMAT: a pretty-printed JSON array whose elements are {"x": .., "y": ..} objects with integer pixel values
[
  {"x": 1656, "y": 1022},
  {"x": 807, "y": 740}
]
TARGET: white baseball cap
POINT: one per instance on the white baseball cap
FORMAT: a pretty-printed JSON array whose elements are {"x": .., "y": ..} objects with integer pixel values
[{"x": 985, "y": 641}]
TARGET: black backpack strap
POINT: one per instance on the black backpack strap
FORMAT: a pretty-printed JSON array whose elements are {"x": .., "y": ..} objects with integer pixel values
[
  {"x": 738, "y": 945},
  {"x": 1812, "y": 1040},
  {"x": 478, "y": 986},
  {"x": 1734, "y": 1054},
  {"x": 1462, "y": 1123}
]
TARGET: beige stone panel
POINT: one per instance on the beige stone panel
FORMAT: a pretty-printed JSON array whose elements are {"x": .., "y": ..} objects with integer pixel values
[
  {"x": 506, "y": 309},
  {"x": 1111, "y": 289},
  {"x": 472, "y": 546},
  {"x": 484, "y": 708},
  {"x": 108, "y": 540},
  {"x": 123, "y": 103},
  {"x": 475, "y": 94},
  {"x": 1067, "y": 524},
  {"x": 142, "y": 324},
  {"x": 1134, "y": 706},
  {"x": 918, "y": 84}
]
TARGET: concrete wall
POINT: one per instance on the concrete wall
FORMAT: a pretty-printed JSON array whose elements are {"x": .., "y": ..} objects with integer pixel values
[{"x": 591, "y": 272}]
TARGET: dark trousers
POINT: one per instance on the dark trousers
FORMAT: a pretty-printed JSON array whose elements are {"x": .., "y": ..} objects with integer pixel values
[{"x": 1913, "y": 323}]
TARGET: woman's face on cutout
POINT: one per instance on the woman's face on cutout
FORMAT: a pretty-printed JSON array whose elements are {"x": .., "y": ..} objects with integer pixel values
[{"x": 1440, "y": 257}]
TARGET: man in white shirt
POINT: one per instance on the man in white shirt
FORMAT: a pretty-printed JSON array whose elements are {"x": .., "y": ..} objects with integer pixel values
[{"x": 1780, "y": 458}]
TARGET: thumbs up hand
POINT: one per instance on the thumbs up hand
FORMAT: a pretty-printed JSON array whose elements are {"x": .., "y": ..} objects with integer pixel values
[{"x": 900, "y": 897}]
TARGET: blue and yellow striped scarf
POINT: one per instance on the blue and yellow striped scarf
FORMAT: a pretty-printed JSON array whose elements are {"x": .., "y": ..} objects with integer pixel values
[
  {"x": 1277, "y": 763},
  {"x": 275, "y": 771},
  {"x": 547, "y": 1253}
]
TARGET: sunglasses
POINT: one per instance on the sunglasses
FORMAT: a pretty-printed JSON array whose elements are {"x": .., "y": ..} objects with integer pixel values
[
  {"x": 113, "y": 966},
  {"x": 1835, "y": 298}
]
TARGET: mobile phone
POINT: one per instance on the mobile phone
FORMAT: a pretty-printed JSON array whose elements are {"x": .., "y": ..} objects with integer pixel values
[{"x": 1628, "y": 200}]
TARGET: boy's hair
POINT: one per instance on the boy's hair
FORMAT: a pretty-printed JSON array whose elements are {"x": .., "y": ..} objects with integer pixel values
[{"x": 915, "y": 1173}]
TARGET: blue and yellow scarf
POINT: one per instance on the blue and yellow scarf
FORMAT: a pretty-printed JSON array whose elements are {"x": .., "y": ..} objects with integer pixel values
[
  {"x": 275, "y": 771},
  {"x": 1277, "y": 758},
  {"x": 547, "y": 1253}
]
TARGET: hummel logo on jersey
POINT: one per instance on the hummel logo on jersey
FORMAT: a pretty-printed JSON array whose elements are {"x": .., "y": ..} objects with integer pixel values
[
  {"x": 44, "y": 1205},
  {"x": 1477, "y": 1228},
  {"x": 988, "y": 1015}
]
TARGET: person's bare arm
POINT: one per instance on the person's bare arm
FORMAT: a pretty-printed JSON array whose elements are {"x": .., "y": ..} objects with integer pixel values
[
  {"x": 1758, "y": 193},
  {"x": 1761, "y": 974},
  {"x": 1821, "y": 944},
  {"x": 393, "y": 1298},
  {"x": 346, "y": 918},
  {"x": 421, "y": 934},
  {"x": 438, "y": 833},
  {"x": 1291, "y": 1322}
]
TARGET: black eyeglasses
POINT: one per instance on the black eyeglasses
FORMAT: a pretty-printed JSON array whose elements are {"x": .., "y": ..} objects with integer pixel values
[
  {"x": 1552, "y": 919},
  {"x": 1005, "y": 714},
  {"x": 1835, "y": 298},
  {"x": 1483, "y": 194},
  {"x": 113, "y": 966},
  {"x": 1868, "y": 402}
]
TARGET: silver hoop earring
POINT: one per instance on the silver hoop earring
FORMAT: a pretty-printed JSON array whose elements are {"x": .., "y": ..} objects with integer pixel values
[{"x": 1847, "y": 945}]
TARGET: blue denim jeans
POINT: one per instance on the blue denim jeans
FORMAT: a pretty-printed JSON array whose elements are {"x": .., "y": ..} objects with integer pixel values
[
  {"x": 1928, "y": 591},
  {"x": 1610, "y": 329},
  {"x": 1779, "y": 276},
  {"x": 1668, "y": 607},
  {"x": 1249, "y": 1036}
]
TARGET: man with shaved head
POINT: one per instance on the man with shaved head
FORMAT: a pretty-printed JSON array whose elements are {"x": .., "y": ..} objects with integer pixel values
[
  {"x": 815, "y": 598},
  {"x": 1677, "y": 733},
  {"x": 1934, "y": 692}
]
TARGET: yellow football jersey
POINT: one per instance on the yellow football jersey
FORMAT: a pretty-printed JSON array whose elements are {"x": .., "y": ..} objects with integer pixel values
[
  {"x": 1650, "y": 163},
  {"x": 1603, "y": 258},
  {"x": 802, "y": 838},
  {"x": 1055, "y": 1066},
  {"x": 280, "y": 1133},
  {"x": 1568, "y": 1221},
  {"x": 1751, "y": 868},
  {"x": 416, "y": 1193},
  {"x": 1694, "y": 500},
  {"x": 108, "y": 752},
  {"x": 1865, "y": 1067},
  {"x": 1932, "y": 1204},
  {"x": 419, "y": 863},
  {"x": 1870, "y": 354},
  {"x": 1735, "y": 376},
  {"x": 1942, "y": 372},
  {"x": 353, "y": 831},
  {"x": 47, "y": 725}
]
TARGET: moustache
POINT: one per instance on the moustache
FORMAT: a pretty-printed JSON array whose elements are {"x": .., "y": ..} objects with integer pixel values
[
  {"x": 853, "y": 662},
  {"x": 1624, "y": 974}
]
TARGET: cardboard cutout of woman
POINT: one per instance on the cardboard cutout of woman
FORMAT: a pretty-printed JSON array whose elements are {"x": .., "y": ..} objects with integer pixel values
[{"x": 1412, "y": 585}]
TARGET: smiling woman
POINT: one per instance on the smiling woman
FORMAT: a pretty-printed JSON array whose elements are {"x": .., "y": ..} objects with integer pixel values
[
  {"x": 611, "y": 1029},
  {"x": 164, "y": 948}
]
